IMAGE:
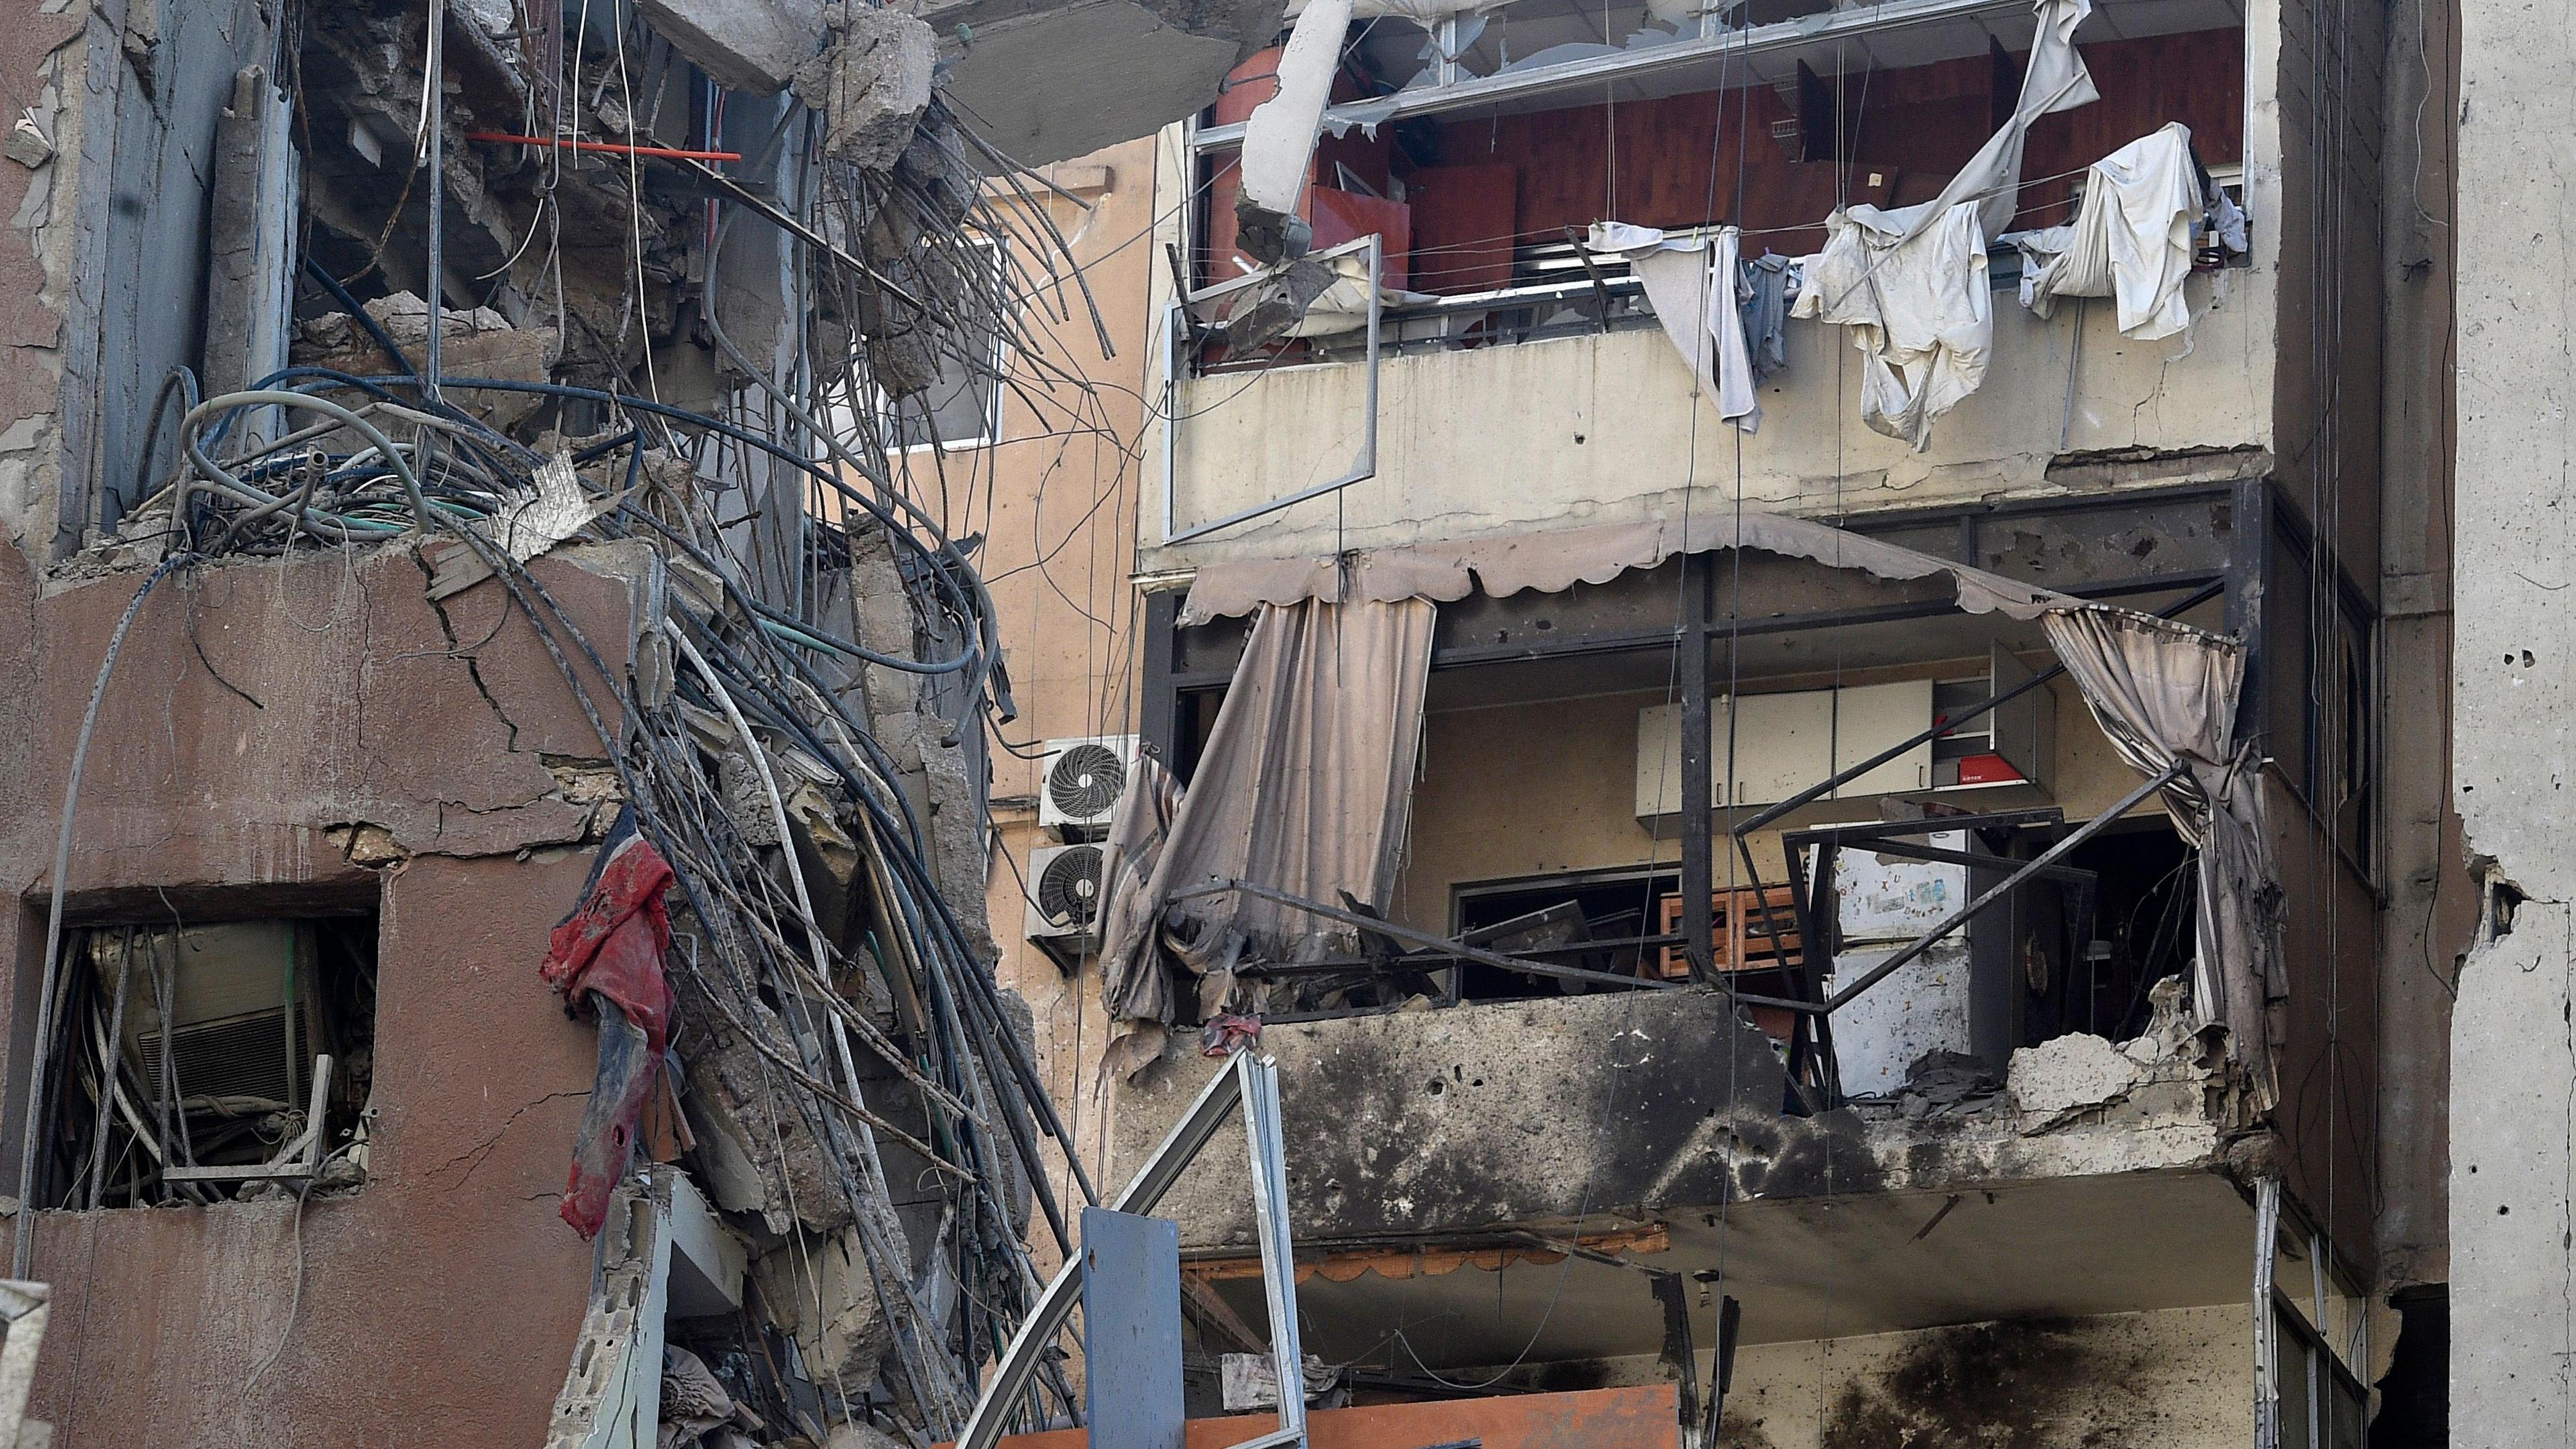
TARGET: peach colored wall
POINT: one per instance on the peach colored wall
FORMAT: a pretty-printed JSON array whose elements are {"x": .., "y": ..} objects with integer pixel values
[{"x": 1059, "y": 512}]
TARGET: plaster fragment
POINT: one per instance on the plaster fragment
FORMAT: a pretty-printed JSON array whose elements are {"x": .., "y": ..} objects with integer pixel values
[
  {"x": 26, "y": 145},
  {"x": 871, "y": 84},
  {"x": 2070, "y": 1074}
]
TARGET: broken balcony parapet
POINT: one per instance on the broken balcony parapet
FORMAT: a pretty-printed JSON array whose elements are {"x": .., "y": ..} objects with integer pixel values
[{"x": 1458, "y": 1119}]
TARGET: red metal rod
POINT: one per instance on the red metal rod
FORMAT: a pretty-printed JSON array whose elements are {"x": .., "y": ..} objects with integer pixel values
[{"x": 613, "y": 148}]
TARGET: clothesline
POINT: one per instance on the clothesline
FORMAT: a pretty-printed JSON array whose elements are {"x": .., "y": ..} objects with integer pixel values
[{"x": 1487, "y": 242}]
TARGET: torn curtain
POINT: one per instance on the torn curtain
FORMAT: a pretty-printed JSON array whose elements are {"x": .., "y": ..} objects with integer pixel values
[
  {"x": 1305, "y": 786},
  {"x": 2164, "y": 692},
  {"x": 610, "y": 949}
]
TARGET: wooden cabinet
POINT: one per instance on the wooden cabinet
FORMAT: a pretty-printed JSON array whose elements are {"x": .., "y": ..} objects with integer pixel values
[
  {"x": 1871, "y": 717},
  {"x": 1784, "y": 743},
  {"x": 1758, "y": 954}
]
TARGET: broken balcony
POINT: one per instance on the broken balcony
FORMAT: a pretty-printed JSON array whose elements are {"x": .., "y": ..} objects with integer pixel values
[
  {"x": 1529, "y": 1075},
  {"x": 1507, "y": 349}
]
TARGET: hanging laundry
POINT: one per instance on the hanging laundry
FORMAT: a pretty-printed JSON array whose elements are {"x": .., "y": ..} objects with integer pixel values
[
  {"x": 1919, "y": 308},
  {"x": 1691, "y": 283},
  {"x": 1911, "y": 283},
  {"x": 2131, "y": 239},
  {"x": 2055, "y": 79},
  {"x": 1763, "y": 289},
  {"x": 2226, "y": 220}
]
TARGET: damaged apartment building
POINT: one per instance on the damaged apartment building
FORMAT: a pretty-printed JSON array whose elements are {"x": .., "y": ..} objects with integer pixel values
[
  {"x": 499, "y": 688},
  {"x": 789, "y": 723},
  {"x": 1788, "y": 659}
]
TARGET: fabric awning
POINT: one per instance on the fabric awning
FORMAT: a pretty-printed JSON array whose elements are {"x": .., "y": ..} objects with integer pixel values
[{"x": 1556, "y": 561}]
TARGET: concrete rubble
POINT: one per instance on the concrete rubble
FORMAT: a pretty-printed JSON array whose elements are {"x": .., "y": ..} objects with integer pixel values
[
  {"x": 870, "y": 84},
  {"x": 746, "y": 45}
]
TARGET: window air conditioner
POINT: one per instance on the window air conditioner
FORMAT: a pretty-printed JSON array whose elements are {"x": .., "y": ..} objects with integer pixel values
[
  {"x": 1084, "y": 778},
  {"x": 245, "y": 1018},
  {"x": 1064, "y": 887}
]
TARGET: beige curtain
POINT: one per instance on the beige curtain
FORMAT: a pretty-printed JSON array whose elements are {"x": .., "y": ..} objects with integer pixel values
[
  {"x": 2164, "y": 692},
  {"x": 1133, "y": 985},
  {"x": 1306, "y": 786}
]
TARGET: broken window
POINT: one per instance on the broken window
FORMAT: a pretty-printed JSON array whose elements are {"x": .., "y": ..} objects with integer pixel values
[
  {"x": 2320, "y": 1405},
  {"x": 2141, "y": 935},
  {"x": 963, "y": 407},
  {"x": 189, "y": 1060},
  {"x": 1598, "y": 920}
]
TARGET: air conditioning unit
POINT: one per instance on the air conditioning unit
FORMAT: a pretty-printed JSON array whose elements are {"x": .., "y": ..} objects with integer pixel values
[
  {"x": 246, "y": 1017},
  {"x": 1084, "y": 778},
  {"x": 1065, "y": 889}
]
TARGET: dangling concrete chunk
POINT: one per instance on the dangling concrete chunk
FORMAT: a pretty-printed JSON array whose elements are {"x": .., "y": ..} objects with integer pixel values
[
  {"x": 870, "y": 84},
  {"x": 743, "y": 45}
]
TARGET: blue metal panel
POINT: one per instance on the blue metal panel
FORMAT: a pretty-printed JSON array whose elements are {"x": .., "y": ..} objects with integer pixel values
[{"x": 1131, "y": 1330}]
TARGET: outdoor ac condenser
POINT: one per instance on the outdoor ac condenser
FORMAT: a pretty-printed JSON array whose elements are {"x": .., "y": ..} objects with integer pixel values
[
  {"x": 1065, "y": 888},
  {"x": 1083, "y": 780}
]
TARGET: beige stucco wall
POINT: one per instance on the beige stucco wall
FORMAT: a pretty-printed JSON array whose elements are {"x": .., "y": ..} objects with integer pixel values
[
  {"x": 1056, "y": 503},
  {"x": 1603, "y": 428}
]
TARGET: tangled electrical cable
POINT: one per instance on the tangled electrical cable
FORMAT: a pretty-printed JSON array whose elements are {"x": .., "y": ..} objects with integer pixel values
[{"x": 756, "y": 968}]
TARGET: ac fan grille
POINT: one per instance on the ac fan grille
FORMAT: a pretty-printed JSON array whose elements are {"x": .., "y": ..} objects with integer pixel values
[
  {"x": 1085, "y": 781},
  {"x": 1069, "y": 887},
  {"x": 241, "y": 1056}
]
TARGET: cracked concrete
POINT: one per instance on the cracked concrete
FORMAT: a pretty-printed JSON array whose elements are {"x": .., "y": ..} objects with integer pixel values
[
  {"x": 284, "y": 736},
  {"x": 2513, "y": 739},
  {"x": 1453, "y": 1121},
  {"x": 438, "y": 727}
]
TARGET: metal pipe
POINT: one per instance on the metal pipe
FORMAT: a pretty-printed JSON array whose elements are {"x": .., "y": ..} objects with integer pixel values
[
  {"x": 434, "y": 109},
  {"x": 1264, "y": 1136},
  {"x": 1699, "y": 795},
  {"x": 115, "y": 1050},
  {"x": 1018, "y": 1364},
  {"x": 499, "y": 138},
  {"x": 2267, "y": 1323}
]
